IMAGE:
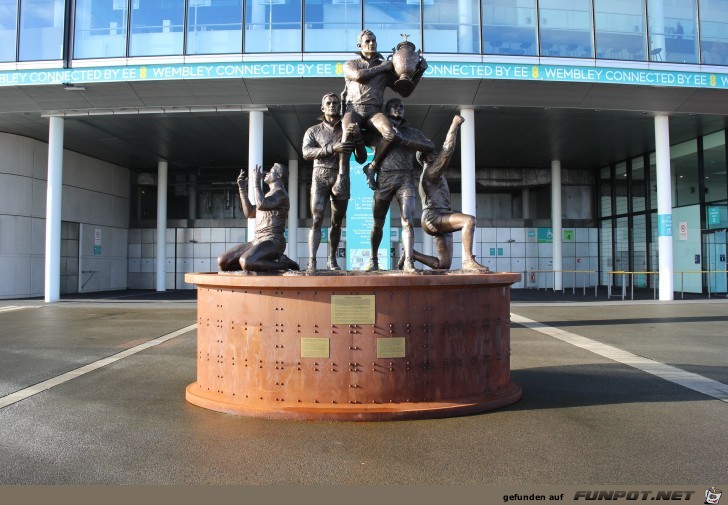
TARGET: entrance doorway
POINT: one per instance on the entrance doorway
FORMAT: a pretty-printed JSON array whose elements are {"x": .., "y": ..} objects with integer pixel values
[{"x": 714, "y": 245}]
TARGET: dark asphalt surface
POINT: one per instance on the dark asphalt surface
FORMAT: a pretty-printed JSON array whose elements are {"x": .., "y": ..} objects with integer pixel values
[{"x": 583, "y": 419}]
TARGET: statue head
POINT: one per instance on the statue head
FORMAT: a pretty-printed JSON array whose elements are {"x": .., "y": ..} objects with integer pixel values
[
  {"x": 277, "y": 171},
  {"x": 330, "y": 104},
  {"x": 367, "y": 42},
  {"x": 394, "y": 108}
]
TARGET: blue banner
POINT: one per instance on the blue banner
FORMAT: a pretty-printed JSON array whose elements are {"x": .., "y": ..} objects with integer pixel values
[
  {"x": 308, "y": 69},
  {"x": 359, "y": 222},
  {"x": 664, "y": 225}
]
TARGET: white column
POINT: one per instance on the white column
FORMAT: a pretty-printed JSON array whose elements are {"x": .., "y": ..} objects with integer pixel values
[
  {"x": 161, "y": 226},
  {"x": 255, "y": 157},
  {"x": 664, "y": 206},
  {"x": 526, "y": 202},
  {"x": 558, "y": 261},
  {"x": 467, "y": 164},
  {"x": 53, "y": 211},
  {"x": 293, "y": 210}
]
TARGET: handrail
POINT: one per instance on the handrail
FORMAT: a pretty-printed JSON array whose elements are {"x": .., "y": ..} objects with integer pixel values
[
  {"x": 682, "y": 273},
  {"x": 537, "y": 274}
]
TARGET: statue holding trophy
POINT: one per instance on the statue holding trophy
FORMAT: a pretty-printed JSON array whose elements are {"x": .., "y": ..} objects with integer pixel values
[
  {"x": 407, "y": 61},
  {"x": 366, "y": 79}
]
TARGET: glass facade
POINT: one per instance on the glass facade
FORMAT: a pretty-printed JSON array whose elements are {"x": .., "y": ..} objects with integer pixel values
[
  {"x": 331, "y": 25},
  {"x": 509, "y": 27},
  {"x": 688, "y": 31},
  {"x": 8, "y": 29},
  {"x": 157, "y": 28},
  {"x": 628, "y": 213},
  {"x": 273, "y": 26},
  {"x": 214, "y": 26},
  {"x": 451, "y": 26},
  {"x": 566, "y": 28},
  {"x": 620, "y": 30},
  {"x": 41, "y": 30}
]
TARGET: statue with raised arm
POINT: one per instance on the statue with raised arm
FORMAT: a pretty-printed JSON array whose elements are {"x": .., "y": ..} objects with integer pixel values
[
  {"x": 265, "y": 252},
  {"x": 366, "y": 79},
  {"x": 438, "y": 217},
  {"x": 323, "y": 143},
  {"x": 395, "y": 179}
]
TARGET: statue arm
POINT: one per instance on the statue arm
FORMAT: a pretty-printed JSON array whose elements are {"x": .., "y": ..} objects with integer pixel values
[
  {"x": 312, "y": 150},
  {"x": 439, "y": 165},
  {"x": 248, "y": 207},
  {"x": 416, "y": 140},
  {"x": 361, "y": 75}
]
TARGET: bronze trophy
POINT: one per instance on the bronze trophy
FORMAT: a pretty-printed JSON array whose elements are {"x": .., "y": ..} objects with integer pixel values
[{"x": 406, "y": 59}]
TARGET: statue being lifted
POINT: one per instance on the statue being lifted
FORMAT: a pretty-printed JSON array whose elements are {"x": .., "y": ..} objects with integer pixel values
[{"x": 265, "y": 252}]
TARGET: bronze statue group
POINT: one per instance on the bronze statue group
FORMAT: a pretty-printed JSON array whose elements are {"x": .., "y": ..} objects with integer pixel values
[{"x": 346, "y": 127}]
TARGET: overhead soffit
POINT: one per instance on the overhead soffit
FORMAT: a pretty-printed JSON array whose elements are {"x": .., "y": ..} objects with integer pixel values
[{"x": 521, "y": 124}]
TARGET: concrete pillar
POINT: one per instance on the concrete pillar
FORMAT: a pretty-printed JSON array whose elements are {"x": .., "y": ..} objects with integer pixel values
[
  {"x": 664, "y": 206},
  {"x": 558, "y": 261},
  {"x": 161, "y": 267},
  {"x": 526, "y": 203},
  {"x": 53, "y": 211},
  {"x": 467, "y": 164},
  {"x": 293, "y": 210},
  {"x": 255, "y": 157}
]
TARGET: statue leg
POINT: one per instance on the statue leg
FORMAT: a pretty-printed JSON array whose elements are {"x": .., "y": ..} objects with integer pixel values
[
  {"x": 379, "y": 211},
  {"x": 318, "y": 206},
  {"x": 229, "y": 261},
  {"x": 338, "y": 212},
  {"x": 407, "y": 209},
  {"x": 465, "y": 222},
  {"x": 263, "y": 257}
]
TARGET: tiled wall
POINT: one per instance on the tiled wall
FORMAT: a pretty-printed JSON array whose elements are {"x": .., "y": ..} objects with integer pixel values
[{"x": 500, "y": 249}]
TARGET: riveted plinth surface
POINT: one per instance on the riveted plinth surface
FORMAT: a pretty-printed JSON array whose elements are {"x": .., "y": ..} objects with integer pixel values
[{"x": 451, "y": 352}]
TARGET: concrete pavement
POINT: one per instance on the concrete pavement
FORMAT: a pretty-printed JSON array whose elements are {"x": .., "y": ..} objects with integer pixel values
[{"x": 584, "y": 418}]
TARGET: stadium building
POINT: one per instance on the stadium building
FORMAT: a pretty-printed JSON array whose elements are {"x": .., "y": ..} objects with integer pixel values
[{"x": 594, "y": 141}]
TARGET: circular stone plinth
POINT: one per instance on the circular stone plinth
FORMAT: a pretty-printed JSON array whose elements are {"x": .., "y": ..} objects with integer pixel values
[{"x": 352, "y": 346}]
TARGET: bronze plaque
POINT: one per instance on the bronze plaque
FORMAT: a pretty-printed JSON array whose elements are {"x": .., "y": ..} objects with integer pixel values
[
  {"x": 392, "y": 347},
  {"x": 314, "y": 347},
  {"x": 353, "y": 309}
]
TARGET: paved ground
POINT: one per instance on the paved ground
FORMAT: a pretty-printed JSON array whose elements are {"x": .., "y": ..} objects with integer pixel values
[{"x": 585, "y": 419}]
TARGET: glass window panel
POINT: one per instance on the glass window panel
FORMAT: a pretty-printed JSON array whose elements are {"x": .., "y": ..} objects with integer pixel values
[
  {"x": 605, "y": 248},
  {"x": 653, "y": 248},
  {"x": 653, "y": 182},
  {"x": 620, "y": 30},
  {"x": 715, "y": 166},
  {"x": 389, "y": 18},
  {"x": 639, "y": 250},
  {"x": 672, "y": 29},
  {"x": 157, "y": 28},
  {"x": 8, "y": 29},
  {"x": 100, "y": 28},
  {"x": 605, "y": 190},
  {"x": 621, "y": 188},
  {"x": 452, "y": 26},
  {"x": 714, "y": 32},
  {"x": 272, "y": 26},
  {"x": 684, "y": 163},
  {"x": 637, "y": 189},
  {"x": 566, "y": 28},
  {"x": 509, "y": 27},
  {"x": 621, "y": 249},
  {"x": 214, "y": 26},
  {"x": 41, "y": 30},
  {"x": 332, "y": 25}
]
